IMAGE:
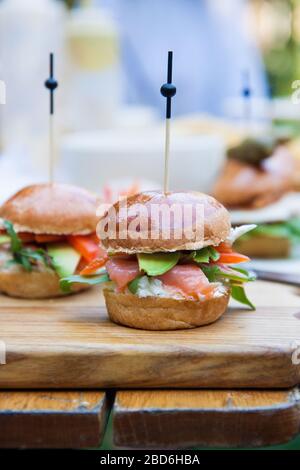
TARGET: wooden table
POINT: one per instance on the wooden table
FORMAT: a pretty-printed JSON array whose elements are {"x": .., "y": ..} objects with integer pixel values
[{"x": 146, "y": 418}]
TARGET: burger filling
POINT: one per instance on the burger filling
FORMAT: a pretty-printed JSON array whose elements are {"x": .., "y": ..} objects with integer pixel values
[
  {"x": 194, "y": 275},
  {"x": 66, "y": 255}
]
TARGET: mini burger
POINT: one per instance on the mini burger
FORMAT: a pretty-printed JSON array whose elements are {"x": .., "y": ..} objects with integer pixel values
[
  {"x": 163, "y": 270},
  {"x": 47, "y": 233},
  {"x": 256, "y": 184}
]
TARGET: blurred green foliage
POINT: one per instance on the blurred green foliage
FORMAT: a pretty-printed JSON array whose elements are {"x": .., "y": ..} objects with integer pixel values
[{"x": 282, "y": 55}]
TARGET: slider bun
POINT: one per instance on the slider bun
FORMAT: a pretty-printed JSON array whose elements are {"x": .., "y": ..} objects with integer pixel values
[
  {"x": 53, "y": 209},
  {"x": 262, "y": 246},
  {"x": 157, "y": 313},
  {"x": 40, "y": 284},
  {"x": 216, "y": 223}
]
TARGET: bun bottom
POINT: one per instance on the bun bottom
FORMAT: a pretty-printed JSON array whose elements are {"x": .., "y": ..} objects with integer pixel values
[
  {"x": 262, "y": 246},
  {"x": 157, "y": 313},
  {"x": 33, "y": 285}
]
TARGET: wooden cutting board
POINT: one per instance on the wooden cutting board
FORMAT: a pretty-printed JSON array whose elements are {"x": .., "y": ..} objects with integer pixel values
[{"x": 70, "y": 343}]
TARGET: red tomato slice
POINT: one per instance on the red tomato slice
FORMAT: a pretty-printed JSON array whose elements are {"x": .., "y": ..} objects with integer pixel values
[
  {"x": 48, "y": 238},
  {"x": 95, "y": 238},
  {"x": 232, "y": 258},
  {"x": 26, "y": 237},
  {"x": 85, "y": 245}
]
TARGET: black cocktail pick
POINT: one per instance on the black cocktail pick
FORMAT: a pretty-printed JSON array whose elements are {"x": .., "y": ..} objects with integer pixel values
[
  {"x": 168, "y": 90},
  {"x": 51, "y": 84}
]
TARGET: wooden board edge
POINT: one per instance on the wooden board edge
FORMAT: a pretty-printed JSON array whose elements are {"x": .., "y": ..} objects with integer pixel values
[
  {"x": 148, "y": 425},
  {"x": 37, "y": 369},
  {"x": 53, "y": 419}
]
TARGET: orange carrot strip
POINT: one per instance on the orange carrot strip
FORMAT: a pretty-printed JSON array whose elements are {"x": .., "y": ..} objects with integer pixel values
[
  {"x": 93, "y": 266},
  {"x": 224, "y": 248},
  {"x": 232, "y": 258}
]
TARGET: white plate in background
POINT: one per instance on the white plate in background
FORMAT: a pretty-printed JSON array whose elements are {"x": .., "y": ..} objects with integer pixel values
[{"x": 93, "y": 158}]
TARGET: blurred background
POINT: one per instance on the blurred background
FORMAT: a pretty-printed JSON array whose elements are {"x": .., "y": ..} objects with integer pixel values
[{"x": 236, "y": 66}]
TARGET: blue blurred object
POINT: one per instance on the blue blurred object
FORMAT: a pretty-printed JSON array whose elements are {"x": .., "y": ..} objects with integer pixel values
[{"x": 211, "y": 49}]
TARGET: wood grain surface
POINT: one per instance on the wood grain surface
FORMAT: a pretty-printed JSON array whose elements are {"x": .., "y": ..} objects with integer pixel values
[
  {"x": 52, "y": 419},
  {"x": 189, "y": 418},
  {"x": 70, "y": 343}
]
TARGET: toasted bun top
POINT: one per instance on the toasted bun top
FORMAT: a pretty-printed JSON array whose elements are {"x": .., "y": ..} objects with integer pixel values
[
  {"x": 138, "y": 228},
  {"x": 57, "y": 209}
]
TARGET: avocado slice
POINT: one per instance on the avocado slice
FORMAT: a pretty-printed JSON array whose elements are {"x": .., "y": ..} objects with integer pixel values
[
  {"x": 4, "y": 239},
  {"x": 64, "y": 258}
]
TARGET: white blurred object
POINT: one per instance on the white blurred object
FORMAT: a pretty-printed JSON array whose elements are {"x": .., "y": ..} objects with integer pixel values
[
  {"x": 263, "y": 110},
  {"x": 14, "y": 175},
  {"x": 94, "y": 81},
  {"x": 29, "y": 31},
  {"x": 285, "y": 108},
  {"x": 259, "y": 108},
  {"x": 136, "y": 117},
  {"x": 205, "y": 124},
  {"x": 287, "y": 207},
  {"x": 93, "y": 158},
  {"x": 288, "y": 266}
]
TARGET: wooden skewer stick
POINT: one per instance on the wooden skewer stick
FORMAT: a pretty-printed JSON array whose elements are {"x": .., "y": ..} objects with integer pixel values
[
  {"x": 51, "y": 149},
  {"x": 51, "y": 84},
  {"x": 167, "y": 156},
  {"x": 168, "y": 90}
]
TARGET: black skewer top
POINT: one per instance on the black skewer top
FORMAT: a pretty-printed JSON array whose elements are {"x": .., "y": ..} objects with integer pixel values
[
  {"x": 51, "y": 83},
  {"x": 246, "y": 90},
  {"x": 168, "y": 90}
]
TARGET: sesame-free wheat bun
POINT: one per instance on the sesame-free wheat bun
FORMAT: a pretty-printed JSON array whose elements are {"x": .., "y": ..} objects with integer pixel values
[
  {"x": 53, "y": 209},
  {"x": 169, "y": 310},
  {"x": 43, "y": 209},
  {"x": 215, "y": 220},
  {"x": 156, "y": 313},
  {"x": 264, "y": 246},
  {"x": 41, "y": 283}
]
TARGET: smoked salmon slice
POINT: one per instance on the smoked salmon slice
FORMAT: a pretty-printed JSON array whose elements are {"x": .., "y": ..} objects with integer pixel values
[
  {"x": 122, "y": 271},
  {"x": 188, "y": 279}
]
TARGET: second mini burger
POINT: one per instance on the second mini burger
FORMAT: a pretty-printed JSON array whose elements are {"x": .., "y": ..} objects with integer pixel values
[{"x": 47, "y": 232}]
